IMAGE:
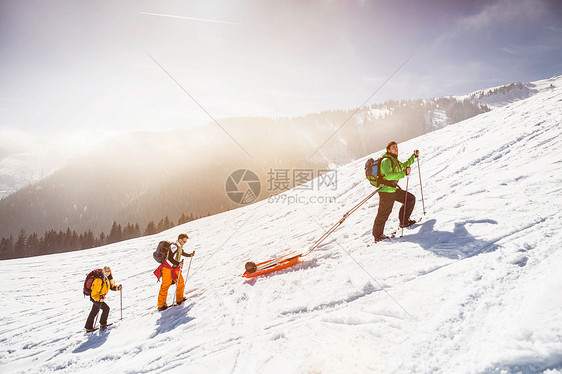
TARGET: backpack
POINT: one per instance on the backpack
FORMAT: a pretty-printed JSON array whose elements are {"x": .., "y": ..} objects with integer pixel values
[
  {"x": 161, "y": 252},
  {"x": 98, "y": 273},
  {"x": 373, "y": 173}
]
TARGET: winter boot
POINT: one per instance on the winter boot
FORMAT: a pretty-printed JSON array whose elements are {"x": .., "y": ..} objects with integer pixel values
[
  {"x": 380, "y": 237},
  {"x": 407, "y": 224}
]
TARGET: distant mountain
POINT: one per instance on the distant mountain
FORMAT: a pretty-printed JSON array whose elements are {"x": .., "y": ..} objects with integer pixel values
[
  {"x": 142, "y": 177},
  {"x": 502, "y": 95},
  {"x": 21, "y": 169}
]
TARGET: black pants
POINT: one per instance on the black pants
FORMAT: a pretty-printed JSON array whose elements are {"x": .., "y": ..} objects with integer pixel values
[
  {"x": 386, "y": 202},
  {"x": 94, "y": 312}
]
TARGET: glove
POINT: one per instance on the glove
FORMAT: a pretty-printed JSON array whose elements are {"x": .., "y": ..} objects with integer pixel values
[
  {"x": 408, "y": 169},
  {"x": 192, "y": 253},
  {"x": 417, "y": 153},
  {"x": 119, "y": 287}
]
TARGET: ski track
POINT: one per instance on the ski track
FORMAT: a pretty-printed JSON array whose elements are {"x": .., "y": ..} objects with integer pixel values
[{"x": 473, "y": 288}]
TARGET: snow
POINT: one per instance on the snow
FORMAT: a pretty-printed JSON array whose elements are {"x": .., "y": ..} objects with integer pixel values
[
  {"x": 436, "y": 120},
  {"x": 502, "y": 95},
  {"x": 20, "y": 170},
  {"x": 379, "y": 113},
  {"x": 473, "y": 288}
]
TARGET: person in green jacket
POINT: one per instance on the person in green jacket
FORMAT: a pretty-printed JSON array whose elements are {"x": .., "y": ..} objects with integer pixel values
[{"x": 392, "y": 171}]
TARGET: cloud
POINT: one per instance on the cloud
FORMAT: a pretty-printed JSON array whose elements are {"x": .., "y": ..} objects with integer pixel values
[
  {"x": 512, "y": 16},
  {"x": 502, "y": 12},
  {"x": 516, "y": 50},
  {"x": 191, "y": 18},
  {"x": 14, "y": 141}
]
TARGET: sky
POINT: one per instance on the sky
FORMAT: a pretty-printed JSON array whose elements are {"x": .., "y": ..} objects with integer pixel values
[{"x": 79, "y": 71}]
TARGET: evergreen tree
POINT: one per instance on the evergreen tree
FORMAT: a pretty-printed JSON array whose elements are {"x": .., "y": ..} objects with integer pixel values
[
  {"x": 7, "y": 248},
  {"x": 74, "y": 241},
  {"x": 67, "y": 240},
  {"x": 19, "y": 247},
  {"x": 160, "y": 226},
  {"x": 182, "y": 220},
  {"x": 128, "y": 232},
  {"x": 33, "y": 245},
  {"x": 88, "y": 240},
  {"x": 150, "y": 228},
  {"x": 102, "y": 239},
  {"x": 115, "y": 234}
]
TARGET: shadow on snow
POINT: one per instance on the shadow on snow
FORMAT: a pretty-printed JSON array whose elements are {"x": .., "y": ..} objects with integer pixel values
[
  {"x": 172, "y": 318},
  {"x": 457, "y": 244},
  {"x": 95, "y": 340}
]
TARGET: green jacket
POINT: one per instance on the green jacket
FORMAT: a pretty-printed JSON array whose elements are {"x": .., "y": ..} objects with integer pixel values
[{"x": 392, "y": 170}]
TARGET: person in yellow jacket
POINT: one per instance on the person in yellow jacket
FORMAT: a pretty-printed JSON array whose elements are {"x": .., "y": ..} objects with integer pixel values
[
  {"x": 170, "y": 271},
  {"x": 100, "y": 287}
]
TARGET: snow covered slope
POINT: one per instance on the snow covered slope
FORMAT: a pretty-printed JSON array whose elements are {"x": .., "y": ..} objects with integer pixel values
[
  {"x": 502, "y": 95},
  {"x": 474, "y": 288}
]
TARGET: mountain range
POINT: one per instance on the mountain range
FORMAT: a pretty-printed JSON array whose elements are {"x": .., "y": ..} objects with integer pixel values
[{"x": 142, "y": 177}]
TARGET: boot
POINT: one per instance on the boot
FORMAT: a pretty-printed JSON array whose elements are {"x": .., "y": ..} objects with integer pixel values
[
  {"x": 408, "y": 223},
  {"x": 380, "y": 238}
]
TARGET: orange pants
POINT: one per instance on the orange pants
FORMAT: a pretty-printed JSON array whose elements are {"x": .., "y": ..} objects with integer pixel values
[{"x": 166, "y": 283}]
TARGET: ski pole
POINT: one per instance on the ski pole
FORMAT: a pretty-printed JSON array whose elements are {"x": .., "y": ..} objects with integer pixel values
[
  {"x": 177, "y": 281},
  {"x": 97, "y": 314},
  {"x": 121, "y": 300},
  {"x": 421, "y": 188},
  {"x": 189, "y": 267},
  {"x": 405, "y": 200}
]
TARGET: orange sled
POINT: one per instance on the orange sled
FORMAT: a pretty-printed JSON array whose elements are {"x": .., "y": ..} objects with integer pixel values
[{"x": 270, "y": 266}]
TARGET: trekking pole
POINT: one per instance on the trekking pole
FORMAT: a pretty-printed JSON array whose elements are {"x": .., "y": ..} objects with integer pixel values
[
  {"x": 96, "y": 320},
  {"x": 421, "y": 188},
  {"x": 405, "y": 200},
  {"x": 189, "y": 267},
  {"x": 121, "y": 300},
  {"x": 177, "y": 281}
]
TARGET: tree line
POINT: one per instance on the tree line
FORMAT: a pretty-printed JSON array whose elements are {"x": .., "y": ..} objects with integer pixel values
[{"x": 67, "y": 241}]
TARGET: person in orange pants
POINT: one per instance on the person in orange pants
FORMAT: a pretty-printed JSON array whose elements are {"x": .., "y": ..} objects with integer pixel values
[{"x": 171, "y": 272}]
